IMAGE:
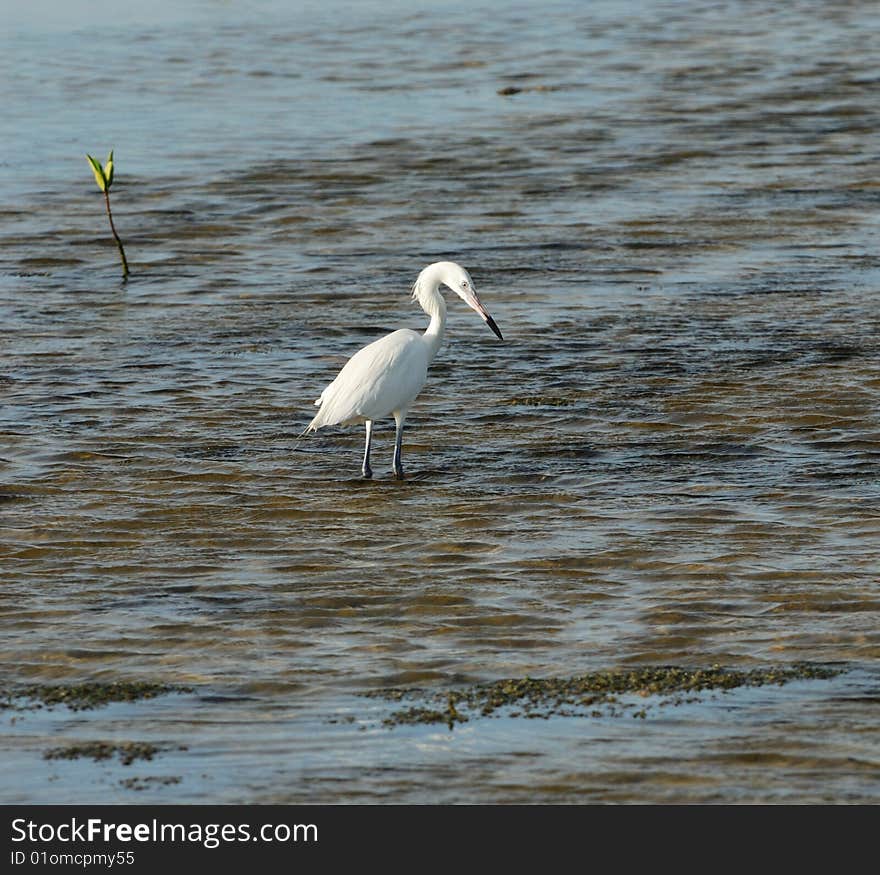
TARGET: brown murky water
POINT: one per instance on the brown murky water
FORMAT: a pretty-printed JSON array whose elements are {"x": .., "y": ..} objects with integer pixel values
[{"x": 673, "y": 459}]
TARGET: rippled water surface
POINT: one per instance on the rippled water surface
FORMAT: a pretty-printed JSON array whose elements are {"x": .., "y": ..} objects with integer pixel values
[{"x": 673, "y": 459}]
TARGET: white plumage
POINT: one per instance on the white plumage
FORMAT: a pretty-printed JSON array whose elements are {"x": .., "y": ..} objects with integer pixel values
[
  {"x": 385, "y": 377},
  {"x": 377, "y": 380}
]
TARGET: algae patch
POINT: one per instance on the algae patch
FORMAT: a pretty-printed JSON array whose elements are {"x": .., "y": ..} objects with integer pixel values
[
  {"x": 137, "y": 783},
  {"x": 127, "y": 751},
  {"x": 597, "y": 694},
  {"x": 84, "y": 696},
  {"x": 542, "y": 401},
  {"x": 450, "y": 715}
]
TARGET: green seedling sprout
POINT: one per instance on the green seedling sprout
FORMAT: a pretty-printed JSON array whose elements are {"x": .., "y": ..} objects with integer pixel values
[{"x": 104, "y": 178}]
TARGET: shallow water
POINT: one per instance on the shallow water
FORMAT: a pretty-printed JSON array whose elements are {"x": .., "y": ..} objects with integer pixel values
[{"x": 673, "y": 458}]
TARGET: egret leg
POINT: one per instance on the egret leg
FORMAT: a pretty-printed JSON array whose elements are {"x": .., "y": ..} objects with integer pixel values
[
  {"x": 398, "y": 440},
  {"x": 367, "y": 470}
]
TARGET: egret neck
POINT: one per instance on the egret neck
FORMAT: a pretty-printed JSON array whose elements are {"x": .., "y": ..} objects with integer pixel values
[{"x": 431, "y": 300}]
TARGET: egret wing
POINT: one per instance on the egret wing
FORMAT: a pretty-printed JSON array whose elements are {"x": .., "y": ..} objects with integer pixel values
[{"x": 384, "y": 376}]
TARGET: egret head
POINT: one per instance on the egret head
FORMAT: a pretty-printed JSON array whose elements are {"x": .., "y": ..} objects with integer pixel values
[{"x": 456, "y": 278}]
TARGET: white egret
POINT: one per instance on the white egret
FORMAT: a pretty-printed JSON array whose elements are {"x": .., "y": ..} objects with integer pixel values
[{"x": 384, "y": 378}]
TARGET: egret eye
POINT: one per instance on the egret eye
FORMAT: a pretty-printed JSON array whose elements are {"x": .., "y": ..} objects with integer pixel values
[{"x": 464, "y": 284}]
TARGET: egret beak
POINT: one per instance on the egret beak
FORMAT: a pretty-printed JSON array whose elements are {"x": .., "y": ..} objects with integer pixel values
[{"x": 474, "y": 303}]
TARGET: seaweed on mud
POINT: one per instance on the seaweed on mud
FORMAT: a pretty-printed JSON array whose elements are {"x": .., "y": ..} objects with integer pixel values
[
  {"x": 127, "y": 751},
  {"x": 589, "y": 695},
  {"x": 542, "y": 401},
  {"x": 138, "y": 783},
  {"x": 84, "y": 696},
  {"x": 449, "y": 715}
]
